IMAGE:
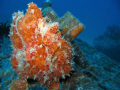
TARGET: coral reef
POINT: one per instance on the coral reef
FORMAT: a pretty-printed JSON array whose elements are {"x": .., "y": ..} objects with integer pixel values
[
  {"x": 109, "y": 42},
  {"x": 39, "y": 51},
  {"x": 4, "y": 28},
  {"x": 7, "y": 74},
  {"x": 92, "y": 69},
  {"x": 99, "y": 72}
]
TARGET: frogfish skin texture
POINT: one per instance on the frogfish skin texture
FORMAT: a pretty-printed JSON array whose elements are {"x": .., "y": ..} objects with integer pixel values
[{"x": 39, "y": 51}]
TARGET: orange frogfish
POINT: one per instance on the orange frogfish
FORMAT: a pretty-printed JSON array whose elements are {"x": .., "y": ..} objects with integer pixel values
[{"x": 39, "y": 51}]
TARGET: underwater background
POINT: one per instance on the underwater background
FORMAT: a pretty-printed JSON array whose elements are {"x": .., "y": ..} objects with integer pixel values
[
  {"x": 96, "y": 15},
  {"x": 101, "y": 19}
]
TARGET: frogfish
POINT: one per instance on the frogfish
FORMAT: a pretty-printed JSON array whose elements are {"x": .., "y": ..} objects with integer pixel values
[{"x": 39, "y": 51}]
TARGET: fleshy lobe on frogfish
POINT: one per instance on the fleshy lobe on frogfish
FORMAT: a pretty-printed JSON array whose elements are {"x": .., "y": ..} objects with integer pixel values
[{"x": 39, "y": 52}]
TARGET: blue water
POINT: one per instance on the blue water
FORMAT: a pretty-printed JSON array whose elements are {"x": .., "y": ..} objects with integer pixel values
[{"x": 96, "y": 15}]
